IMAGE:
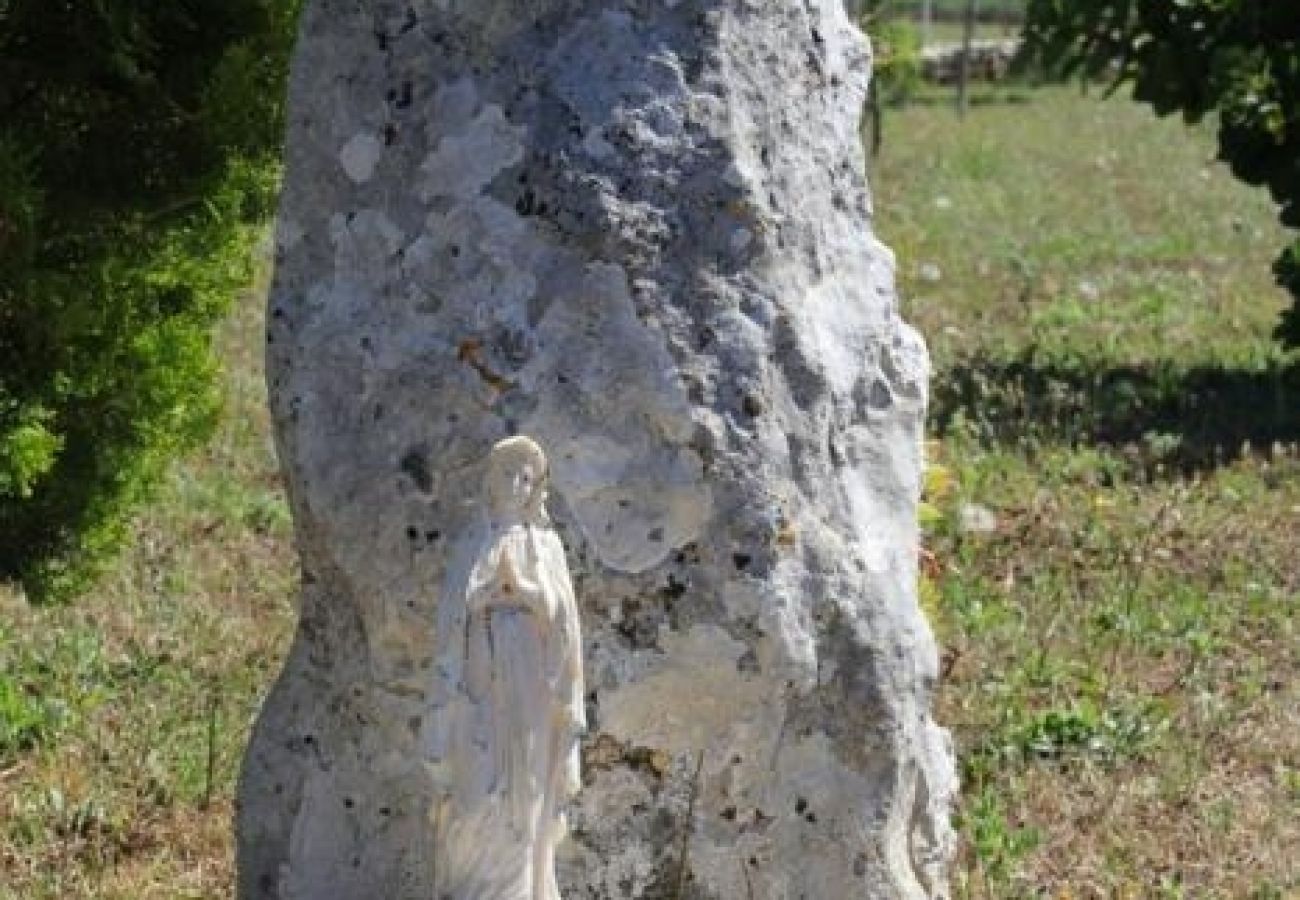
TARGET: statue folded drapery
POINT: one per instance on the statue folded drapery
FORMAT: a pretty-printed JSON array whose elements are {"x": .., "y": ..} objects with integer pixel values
[{"x": 507, "y": 695}]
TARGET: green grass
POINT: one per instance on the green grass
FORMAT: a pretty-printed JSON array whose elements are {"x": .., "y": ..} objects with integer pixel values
[
  {"x": 124, "y": 714},
  {"x": 1122, "y": 654},
  {"x": 1122, "y": 663}
]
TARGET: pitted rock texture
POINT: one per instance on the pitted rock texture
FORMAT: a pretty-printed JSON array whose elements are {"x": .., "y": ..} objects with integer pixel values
[{"x": 640, "y": 233}]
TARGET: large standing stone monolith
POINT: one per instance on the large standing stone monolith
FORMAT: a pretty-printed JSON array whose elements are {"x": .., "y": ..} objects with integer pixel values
[{"x": 640, "y": 233}]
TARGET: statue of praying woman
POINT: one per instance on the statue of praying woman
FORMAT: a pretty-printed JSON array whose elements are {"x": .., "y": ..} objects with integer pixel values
[{"x": 507, "y": 695}]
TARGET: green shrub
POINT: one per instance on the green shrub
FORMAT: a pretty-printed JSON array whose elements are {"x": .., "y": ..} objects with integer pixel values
[
  {"x": 138, "y": 147},
  {"x": 896, "y": 66},
  {"x": 898, "y": 59},
  {"x": 1237, "y": 58}
]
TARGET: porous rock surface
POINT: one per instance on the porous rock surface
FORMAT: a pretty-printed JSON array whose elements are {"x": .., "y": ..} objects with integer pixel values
[{"x": 639, "y": 232}]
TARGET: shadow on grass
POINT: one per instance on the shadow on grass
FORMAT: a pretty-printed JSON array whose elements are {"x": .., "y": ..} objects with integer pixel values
[{"x": 1164, "y": 417}]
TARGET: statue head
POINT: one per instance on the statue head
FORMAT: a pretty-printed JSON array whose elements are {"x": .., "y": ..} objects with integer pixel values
[{"x": 516, "y": 478}]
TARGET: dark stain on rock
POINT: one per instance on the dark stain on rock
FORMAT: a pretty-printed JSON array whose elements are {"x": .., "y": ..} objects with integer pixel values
[{"x": 415, "y": 465}]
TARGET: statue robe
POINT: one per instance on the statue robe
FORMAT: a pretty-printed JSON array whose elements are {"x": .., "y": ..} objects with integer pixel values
[{"x": 508, "y": 709}]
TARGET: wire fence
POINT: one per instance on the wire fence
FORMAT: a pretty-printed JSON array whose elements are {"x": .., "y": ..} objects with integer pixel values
[
  {"x": 953, "y": 10},
  {"x": 943, "y": 43},
  {"x": 943, "y": 21}
]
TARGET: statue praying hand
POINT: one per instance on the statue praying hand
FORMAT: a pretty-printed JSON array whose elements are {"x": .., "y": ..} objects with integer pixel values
[{"x": 507, "y": 695}]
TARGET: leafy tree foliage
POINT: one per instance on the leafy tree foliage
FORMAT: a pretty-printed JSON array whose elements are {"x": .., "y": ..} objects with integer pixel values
[
  {"x": 137, "y": 146},
  {"x": 1240, "y": 58}
]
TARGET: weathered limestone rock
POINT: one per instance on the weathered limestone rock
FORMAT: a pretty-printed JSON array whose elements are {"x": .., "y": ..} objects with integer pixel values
[{"x": 639, "y": 232}]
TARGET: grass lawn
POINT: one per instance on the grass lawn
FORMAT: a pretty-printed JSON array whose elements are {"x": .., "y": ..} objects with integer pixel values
[
  {"x": 123, "y": 715},
  {"x": 1114, "y": 521},
  {"x": 1115, "y": 578}
]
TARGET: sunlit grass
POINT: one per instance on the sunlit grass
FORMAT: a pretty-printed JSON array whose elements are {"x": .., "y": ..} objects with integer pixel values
[{"x": 1123, "y": 662}]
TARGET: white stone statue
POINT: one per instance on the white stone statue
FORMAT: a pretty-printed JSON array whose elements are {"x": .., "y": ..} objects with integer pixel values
[{"x": 507, "y": 695}]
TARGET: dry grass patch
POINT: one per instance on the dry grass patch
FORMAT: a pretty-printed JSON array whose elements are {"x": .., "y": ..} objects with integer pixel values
[
  {"x": 1122, "y": 643},
  {"x": 138, "y": 697}
]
